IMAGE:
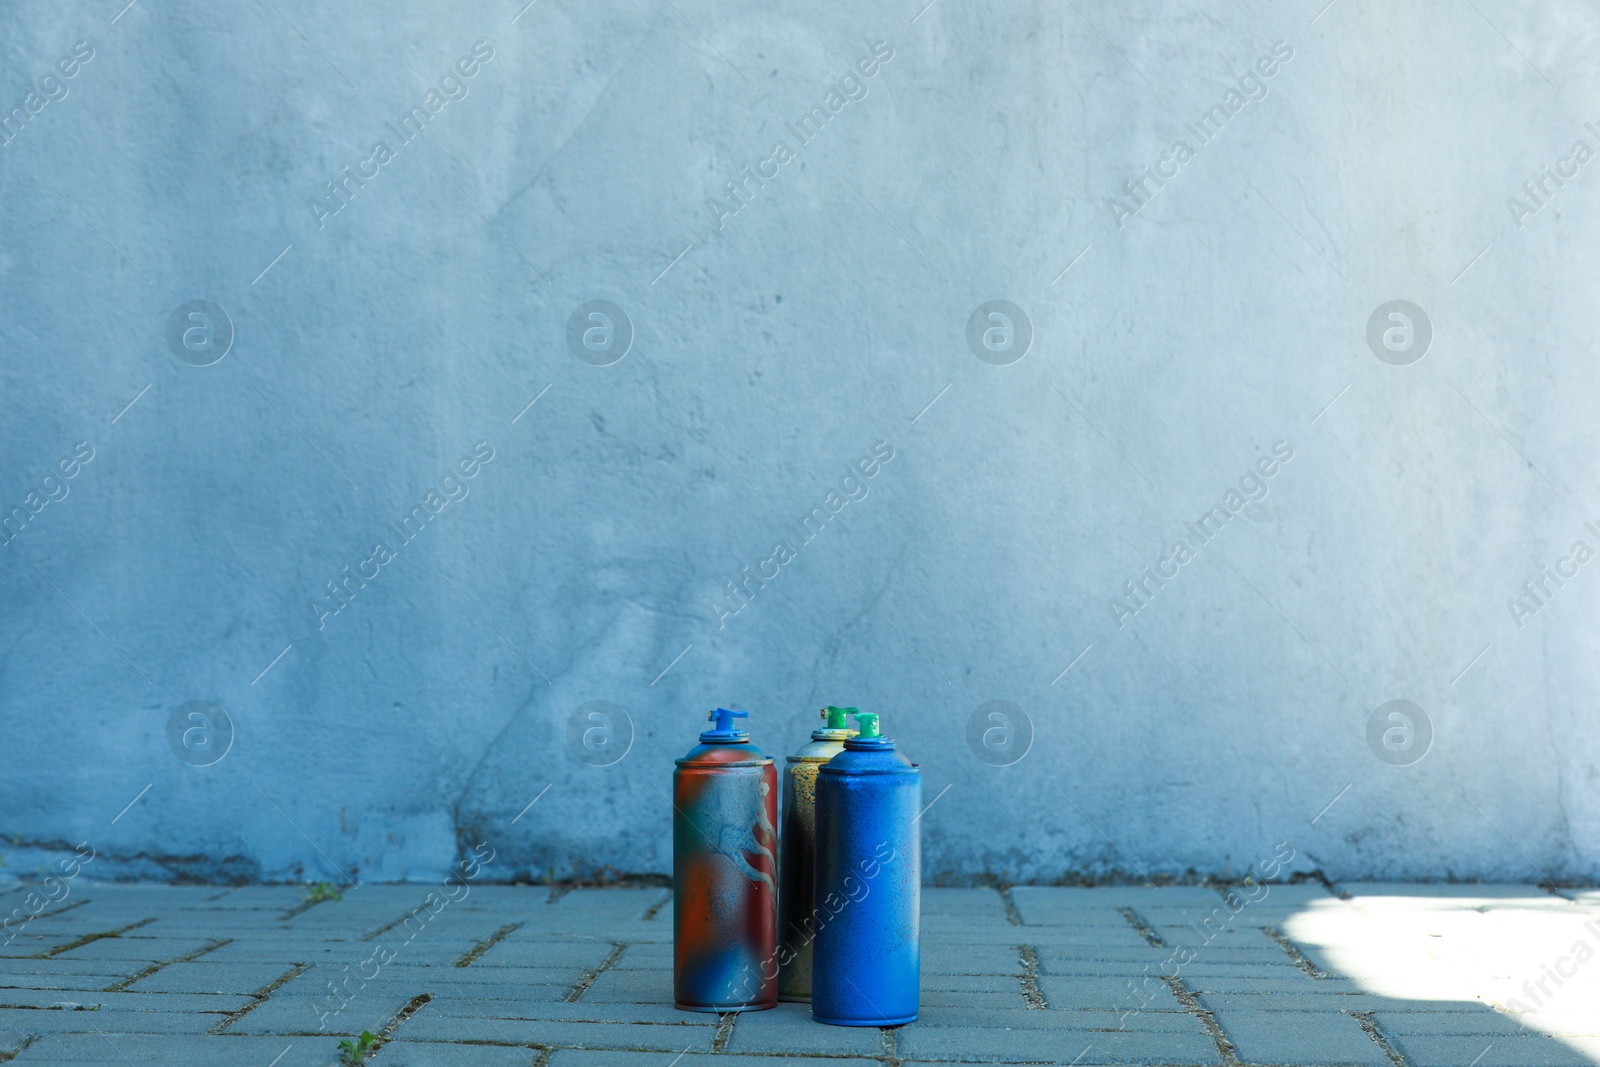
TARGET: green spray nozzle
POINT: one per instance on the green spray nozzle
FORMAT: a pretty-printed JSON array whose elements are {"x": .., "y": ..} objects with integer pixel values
[
  {"x": 838, "y": 718},
  {"x": 867, "y": 723}
]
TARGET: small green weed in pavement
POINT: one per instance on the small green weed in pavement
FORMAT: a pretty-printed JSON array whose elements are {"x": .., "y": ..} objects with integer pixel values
[{"x": 354, "y": 1053}]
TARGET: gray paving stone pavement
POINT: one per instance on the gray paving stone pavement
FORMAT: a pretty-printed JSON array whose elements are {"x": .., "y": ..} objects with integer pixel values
[{"x": 1278, "y": 976}]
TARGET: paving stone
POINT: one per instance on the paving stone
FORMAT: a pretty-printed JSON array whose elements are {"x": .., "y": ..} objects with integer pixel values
[
  {"x": 645, "y": 957},
  {"x": 203, "y": 977},
  {"x": 1106, "y": 993},
  {"x": 1053, "y": 960},
  {"x": 973, "y": 959},
  {"x": 1046, "y": 904},
  {"x": 965, "y": 903},
  {"x": 944, "y": 997},
  {"x": 649, "y": 987},
  {"x": 176, "y": 1050},
  {"x": 991, "y": 1045},
  {"x": 1303, "y": 1001},
  {"x": 304, "y": 1015},
  {"x": 52, "y": 1021},
  {"x": 577, "y": 1058},
  {"x": 1288, "y": 982},
  {"x": 189, "y": 1002},
  {"x": 1308, "y": 1039},
  {"x": 789, "y": 1028},
  {"x": 1454, "y": 891},
  {"x": 1481, "y": 1051},
  {"x": 576, "y": 957},
  {"x": 59, "y": 966},
  {"x": 1478, "y": 1020},
  {"x": 510, "y": 1006},
  {"x": 1023, "y": 1018},
  {"x": 142, "y": 949},
  {"x": 402, "y": 1053},
  {"x": 970, "y": 983},
  {"x": 428, "y": 1026},
  {"x": 316, "y": 978}
]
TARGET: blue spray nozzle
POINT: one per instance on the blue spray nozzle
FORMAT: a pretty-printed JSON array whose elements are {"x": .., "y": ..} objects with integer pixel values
[{"x": 724, "y": 729}]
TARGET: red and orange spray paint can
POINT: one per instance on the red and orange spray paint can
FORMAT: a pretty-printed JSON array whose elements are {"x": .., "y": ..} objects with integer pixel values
[{"x": 724, "y": 870}]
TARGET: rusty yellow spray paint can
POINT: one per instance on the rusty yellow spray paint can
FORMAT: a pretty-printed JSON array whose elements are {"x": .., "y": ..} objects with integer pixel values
[{"x": 797, "y": 925}]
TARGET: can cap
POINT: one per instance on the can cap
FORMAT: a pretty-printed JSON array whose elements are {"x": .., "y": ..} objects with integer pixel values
[
  {"x": 870, "y": 738},
  {"x": 838, "y": 718},
  {"x": 724, "y": 730}
]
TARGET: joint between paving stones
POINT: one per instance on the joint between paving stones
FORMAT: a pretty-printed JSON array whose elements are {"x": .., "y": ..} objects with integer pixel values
[
  {"x": 90, "y": 939},
  {"x": 1145, "y": 930},
  {"x": 1013, "y": 916},
  {"x": 654, "y": 909},
  {"x": 212, "y": 946},
  {"x": 397, "y": 1020},
  {"x": 10, "y": 1054},
  {"x": 386, "y": 927},
  {"x": 581, "y": 986},
  {"x": 259, "y": 997},
  {"x": 1192, "y": 1005},
  {"x": 725, "y": 1024},
  {"x": 891, "y": 1048},
  {"x": 1370, "y": 1024},
  {"x": 303, "y": 907},
  {"x": 1293, "y": 951},
  {"x": 51, "y": 913},
  {"x": 1029, "y": 978},
  {"x": 486, "y": 944}
]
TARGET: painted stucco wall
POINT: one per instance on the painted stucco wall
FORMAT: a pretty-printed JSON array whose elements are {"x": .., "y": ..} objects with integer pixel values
[{"x": 1198, "y": 220}]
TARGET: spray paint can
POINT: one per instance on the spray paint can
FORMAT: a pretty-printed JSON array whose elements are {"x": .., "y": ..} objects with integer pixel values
[
  {"x": 867, "y": 963},
  {"x": 797, "y": 927},
  {"x": 724, "y": 869}
]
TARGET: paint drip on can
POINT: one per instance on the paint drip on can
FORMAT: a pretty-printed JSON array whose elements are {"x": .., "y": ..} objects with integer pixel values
[
  {"x": 797, "y": 920},
  {"x": 724, "y": 868},
  {"x": 866, "y": 963}
]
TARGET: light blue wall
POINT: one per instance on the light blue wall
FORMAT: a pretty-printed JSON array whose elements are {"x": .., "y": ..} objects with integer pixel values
[{"x": 374, "y": 348}]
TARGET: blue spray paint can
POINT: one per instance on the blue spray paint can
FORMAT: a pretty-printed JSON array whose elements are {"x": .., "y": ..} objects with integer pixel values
[
  {"x": 867, "y": 963},
  {"x": 797, "y": 925},
  {"x": 724, "y": 870}
]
